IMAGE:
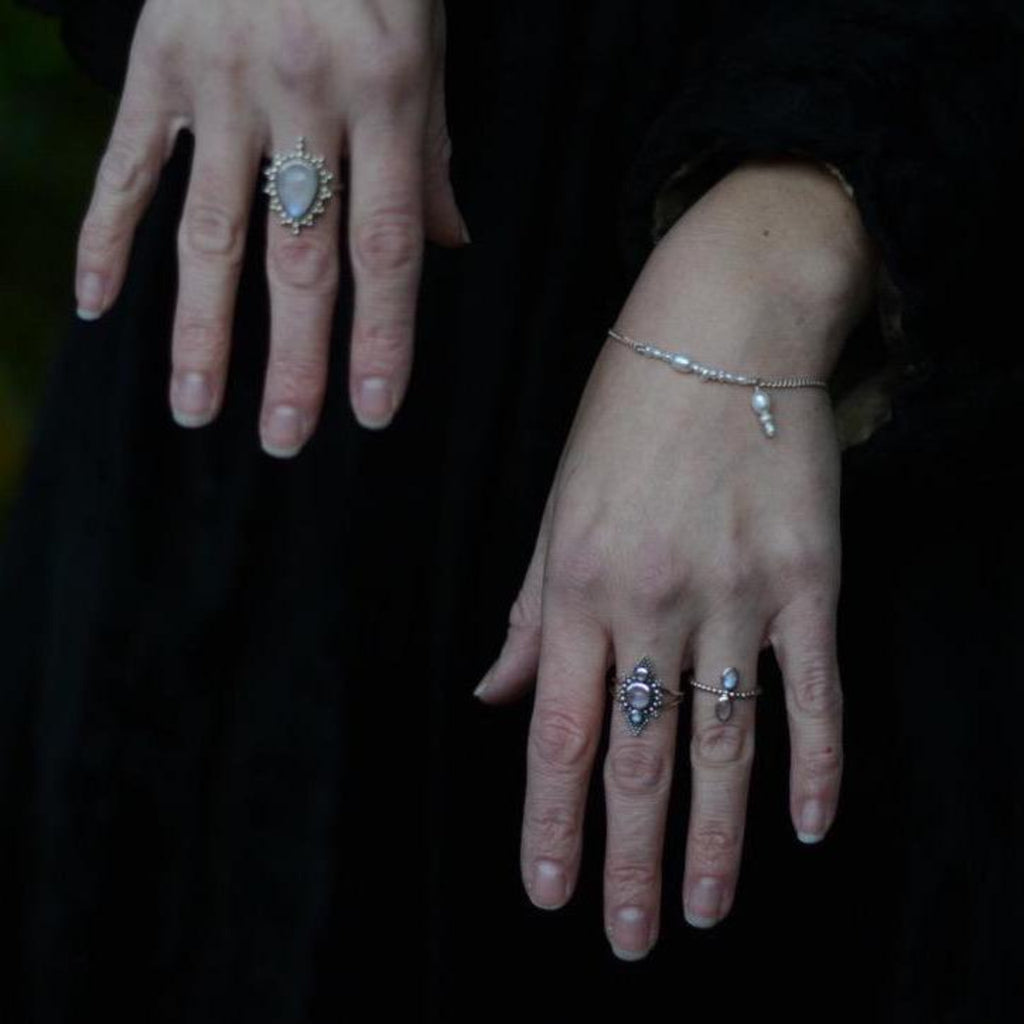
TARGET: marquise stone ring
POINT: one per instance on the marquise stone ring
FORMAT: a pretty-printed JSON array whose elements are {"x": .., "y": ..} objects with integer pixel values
[
  {"x": 300, "y": 186},
  {"x": 642, "y": 696}
]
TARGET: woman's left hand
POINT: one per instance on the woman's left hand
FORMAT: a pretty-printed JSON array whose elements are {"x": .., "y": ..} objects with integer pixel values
[{"x": 676, "y": 529}]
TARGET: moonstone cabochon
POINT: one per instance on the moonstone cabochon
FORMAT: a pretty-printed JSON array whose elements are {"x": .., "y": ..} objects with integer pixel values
[{"x": 297, "y": 187}]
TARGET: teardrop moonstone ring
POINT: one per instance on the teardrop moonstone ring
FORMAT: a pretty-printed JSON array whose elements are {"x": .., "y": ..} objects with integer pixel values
[{"x": 299, "y": 186}]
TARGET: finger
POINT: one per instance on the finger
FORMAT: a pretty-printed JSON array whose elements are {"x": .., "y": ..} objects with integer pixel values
[
  {"x": 804, "y": 638},
  {"x": 515, "y": 670},
  {"x": 211, "y": 247},
  {"x": 638, "y": 779},
  {"x": 386, "y": 248},
  {"x": 721, "y": 755},
  {"x": 444, "y": 223},
  {"x": 302, "y": 274},
  {"x": 563, "y": 738},
  {"x": 141, "y": 141}
]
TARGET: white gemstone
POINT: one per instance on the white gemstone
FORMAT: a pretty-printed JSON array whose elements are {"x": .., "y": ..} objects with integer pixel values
[
  {"x": 681, "y": 362},
  {"x": 638, "y": 695},
  {"x": 760, "y": 401},
  {"x": 730, "y": 679},
  {"x": 297, "y": 185},
  {"x": 723, "y": 708}
]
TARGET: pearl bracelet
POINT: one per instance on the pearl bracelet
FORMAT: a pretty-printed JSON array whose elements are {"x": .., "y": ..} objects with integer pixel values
[{"x": 759, "y": 401}]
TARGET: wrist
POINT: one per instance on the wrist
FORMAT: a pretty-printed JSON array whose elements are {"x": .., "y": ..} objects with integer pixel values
[{"x": 775, "y": 261}]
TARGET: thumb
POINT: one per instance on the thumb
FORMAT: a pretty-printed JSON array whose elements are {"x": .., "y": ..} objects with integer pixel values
[{"x": 515, "y": 671}]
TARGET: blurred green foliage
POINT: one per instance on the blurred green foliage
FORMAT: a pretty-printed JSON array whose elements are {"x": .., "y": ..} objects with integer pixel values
[{"x": 53, "y": 126}]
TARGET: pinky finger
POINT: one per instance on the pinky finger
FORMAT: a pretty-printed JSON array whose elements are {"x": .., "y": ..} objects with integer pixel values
[
  {"x": 805, "y": 647},
  {"x": 140, "y": 143}
]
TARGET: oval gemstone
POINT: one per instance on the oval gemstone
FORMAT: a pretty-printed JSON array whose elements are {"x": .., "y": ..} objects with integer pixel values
[
  {"x": 636, "y": 717},
  {"x": 723, "y": 708},
  {"x": 297, "y": 185},
  {"x": 730, "y": 679},
  {"x": 638, "y": 695}
]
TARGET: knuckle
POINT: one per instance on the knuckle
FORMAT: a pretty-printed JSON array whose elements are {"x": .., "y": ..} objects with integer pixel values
[
  {"x": 816, "y": 689},
  {"x": 299, "y": 375},
  {"x": 576, "y": 568},
  {"x": 301, "y": 62},
  {"x": 99, "y": 241},
  {"x": 721, "y": 743},
  {"x": 123, "y": 169},
  {"x": 392, "y": 68},
  {"x": 210, "y": 230},
  {"x": 304, "y": 264},
  {"x": 714, "y": 843},
  {"x": 553, "y": 828},
  {"x": 195, "y": 341},
  {"x": 560, "y": 741},
  {"x": 801, "y": 563},
  {"x": 385, "y": 344},
  {"x": 733, "y": 578},
  {"x": 388, "y": 240},
  {"x": 637, "y": 768},
  {"x": 655, "y": 584},
  {"x": 626, "y": 877}
]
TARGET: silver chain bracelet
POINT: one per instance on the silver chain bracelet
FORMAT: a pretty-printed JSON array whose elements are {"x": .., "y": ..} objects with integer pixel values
[{"x": 759, "y": 401}]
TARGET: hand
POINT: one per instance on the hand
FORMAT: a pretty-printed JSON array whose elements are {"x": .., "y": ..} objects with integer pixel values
[
  {"x": 676, "y": 529},
  {"x": 361, "y": 80}
]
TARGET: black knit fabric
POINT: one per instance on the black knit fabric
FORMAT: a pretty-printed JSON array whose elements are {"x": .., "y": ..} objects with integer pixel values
[{"x": 241, "y": 773}]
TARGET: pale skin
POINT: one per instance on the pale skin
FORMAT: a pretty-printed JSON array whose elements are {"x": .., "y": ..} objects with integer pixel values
[
  {"x": 674, "y": 528},
  {"x": 362, "y": 80}
]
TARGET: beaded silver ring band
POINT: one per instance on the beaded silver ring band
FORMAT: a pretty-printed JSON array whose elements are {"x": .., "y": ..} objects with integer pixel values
[
  {"x": 727, "y": 692},
  {"x": 759, "y": 402}
]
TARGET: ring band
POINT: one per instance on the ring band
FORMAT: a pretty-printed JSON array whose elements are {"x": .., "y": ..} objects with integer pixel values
[
  {"x": 642, "y": 696},
  {"x": 727, "y": 692},
  {"x": 299, "y": 186}
]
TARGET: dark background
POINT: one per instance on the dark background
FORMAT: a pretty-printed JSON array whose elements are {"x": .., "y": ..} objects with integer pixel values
[{"x": 53, "y": 126}]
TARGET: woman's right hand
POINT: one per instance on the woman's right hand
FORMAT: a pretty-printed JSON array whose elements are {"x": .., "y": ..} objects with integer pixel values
[{"x": 363, "y": 81}]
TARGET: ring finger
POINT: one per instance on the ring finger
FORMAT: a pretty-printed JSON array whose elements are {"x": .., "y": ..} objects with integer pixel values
[
  {"x": 302, "y": 272},
  {"x": 721, "y": 755}
]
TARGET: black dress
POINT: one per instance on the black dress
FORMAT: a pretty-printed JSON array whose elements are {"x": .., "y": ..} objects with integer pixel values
[{"x": 242, "y": 774}]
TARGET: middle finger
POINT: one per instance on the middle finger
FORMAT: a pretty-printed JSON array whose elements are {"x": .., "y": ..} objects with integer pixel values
[{"x": 303, "y": 272}]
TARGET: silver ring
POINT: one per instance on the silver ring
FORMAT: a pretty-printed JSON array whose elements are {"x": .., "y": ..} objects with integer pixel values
[
  {"x": 727, "y": 692},
  {"x": 299, "y": 186},
  {"x": 642, "y": 696}
]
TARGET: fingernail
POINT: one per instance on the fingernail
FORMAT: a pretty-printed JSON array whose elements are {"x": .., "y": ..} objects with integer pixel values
[
  {"x": 548, "y": 885},
  {"x": 465, "y": 230},
  {"x": 192, "y": 399},
  {"x": 812, "y": 822},
  {"x": 285, "y": 431},
  {"x": 631, "y": 935},
  {"x": 375, "y": 402},
  {"x": 703, "y": 908},
  {"x": 90, "y": 296}
]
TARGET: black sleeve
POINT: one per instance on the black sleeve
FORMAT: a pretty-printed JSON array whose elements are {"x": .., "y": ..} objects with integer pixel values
[
  {"x": 96, "y": 33},
  {"x": 919, "y": 104}
]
